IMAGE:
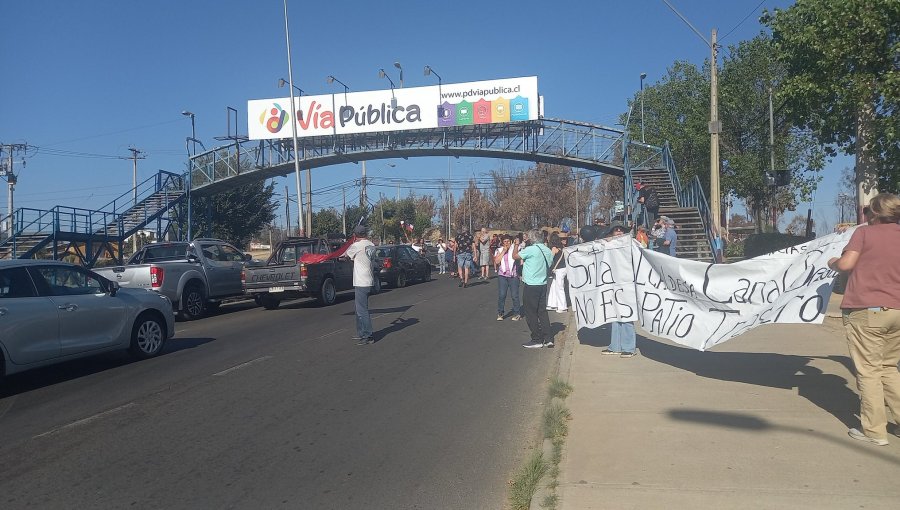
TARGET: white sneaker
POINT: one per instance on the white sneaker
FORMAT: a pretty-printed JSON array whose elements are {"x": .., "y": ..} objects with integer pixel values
[{"x": 856, "y": 434}]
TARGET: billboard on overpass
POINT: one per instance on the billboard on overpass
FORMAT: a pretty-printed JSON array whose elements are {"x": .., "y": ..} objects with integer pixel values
[{"x": 447, "y": 105}]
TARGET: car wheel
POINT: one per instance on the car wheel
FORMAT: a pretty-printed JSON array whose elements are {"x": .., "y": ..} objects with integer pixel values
[
  {"x": 401, "y": 280},
  {"x": 192, "y": 303},
  {"x": 269, "y": 302},
  {"x": 327, "y": 293},
  {"x": 376, "y": 288},
  {"x": 148, "y": 336}
]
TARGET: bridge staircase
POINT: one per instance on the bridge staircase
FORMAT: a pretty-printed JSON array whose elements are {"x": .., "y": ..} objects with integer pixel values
[
  {"x": 87, "y": 233},
  {"x": 686, "y": 205}
]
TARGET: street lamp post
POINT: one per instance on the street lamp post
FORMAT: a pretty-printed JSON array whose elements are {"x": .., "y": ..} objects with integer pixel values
[
  {"x": 382, "y": 74},
  {"x": 287, "y": 36},
  {"x": 190, "y": 171},
  {"x": 440, "y": 108},
  {"x": 398, "y": 66},
  {"x": 643, "y": 75},
  {"x": 282, "y": 82}
]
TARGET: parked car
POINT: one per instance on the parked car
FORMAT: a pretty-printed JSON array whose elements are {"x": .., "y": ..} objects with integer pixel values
[
  {"x": 195, "y": 276},
  {"x": 290, "y": 274},
  {"x": 401, "y": 264},
  {"x": 52, "y": 312}
]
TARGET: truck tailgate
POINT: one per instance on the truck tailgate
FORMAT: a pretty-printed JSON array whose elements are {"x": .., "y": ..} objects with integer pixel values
[
  {"x": 135, "y": 276},
  {"x": 272, "y": 278}
]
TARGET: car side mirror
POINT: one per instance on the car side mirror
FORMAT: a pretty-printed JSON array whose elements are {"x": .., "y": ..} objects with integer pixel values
[{"x": 113, "y": 288}]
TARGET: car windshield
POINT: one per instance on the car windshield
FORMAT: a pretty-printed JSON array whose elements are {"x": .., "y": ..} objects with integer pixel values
[{"x": 162, "y": 253}]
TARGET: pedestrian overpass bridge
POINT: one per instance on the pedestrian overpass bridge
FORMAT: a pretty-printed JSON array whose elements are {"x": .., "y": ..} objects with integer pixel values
[
  {"x": 88, "y": 234},
  {"x": 561, "y": 142}
]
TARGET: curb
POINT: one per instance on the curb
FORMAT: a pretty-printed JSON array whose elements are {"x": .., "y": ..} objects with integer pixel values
[{"x": 569, "y": 338}]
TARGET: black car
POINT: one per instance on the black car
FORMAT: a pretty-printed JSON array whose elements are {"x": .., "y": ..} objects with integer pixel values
[{"x": 401, "y": 264}]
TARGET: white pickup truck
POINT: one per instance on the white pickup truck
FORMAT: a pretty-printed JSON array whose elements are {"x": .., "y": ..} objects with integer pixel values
[{"x": 195, "y": 276}]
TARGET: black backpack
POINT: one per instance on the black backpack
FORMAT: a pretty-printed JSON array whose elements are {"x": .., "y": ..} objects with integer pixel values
[{"x": 652, "y": 200}]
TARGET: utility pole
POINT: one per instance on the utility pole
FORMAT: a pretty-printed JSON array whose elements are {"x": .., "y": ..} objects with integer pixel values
[
  {"x": 363, "y": 199},
  {"x": 715, "y": 127},
  {"x": 134, "y": 159},
  {"x": 10, "y": 175},
  {"x": 576, "y": 198},
  {"x": 309, "y": 201},
  {"x": 449, "y": 197},
  {"x": 287, "y": 211},
  {"x": 344, "y": 213}
]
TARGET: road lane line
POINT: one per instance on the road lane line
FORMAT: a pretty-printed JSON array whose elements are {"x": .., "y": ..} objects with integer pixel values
[
  {"x": 87, "y": 420},
  {"x": 242, "y": 365}
]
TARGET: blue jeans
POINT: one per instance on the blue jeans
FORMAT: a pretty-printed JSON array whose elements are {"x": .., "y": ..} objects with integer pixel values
[
  {"x": 622, "y": 338},
  {"x": 363, "y": 321},
  {"x": 510, "y": 283}
]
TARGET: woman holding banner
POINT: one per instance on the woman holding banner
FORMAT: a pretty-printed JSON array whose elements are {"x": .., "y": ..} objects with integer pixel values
[{"x": 871, "y": 310}]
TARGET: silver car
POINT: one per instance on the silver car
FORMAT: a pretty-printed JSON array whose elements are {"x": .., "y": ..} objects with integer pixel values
[{"x": 52, "y": 312}]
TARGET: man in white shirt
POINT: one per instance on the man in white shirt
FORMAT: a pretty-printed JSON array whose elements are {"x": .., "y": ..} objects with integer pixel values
[{"x": 363, "y": 280}]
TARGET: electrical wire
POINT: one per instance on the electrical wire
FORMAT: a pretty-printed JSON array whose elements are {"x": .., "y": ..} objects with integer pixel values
[{"x": 743, "y": 20}]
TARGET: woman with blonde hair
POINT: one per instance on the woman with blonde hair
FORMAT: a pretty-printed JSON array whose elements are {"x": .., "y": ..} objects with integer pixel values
[{"x": 871, "y": 312}]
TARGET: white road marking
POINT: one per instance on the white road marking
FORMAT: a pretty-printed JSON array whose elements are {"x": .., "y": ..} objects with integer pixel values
[
  {"x": 242, "y": 365},
  {"x": 87, "y": 420}
]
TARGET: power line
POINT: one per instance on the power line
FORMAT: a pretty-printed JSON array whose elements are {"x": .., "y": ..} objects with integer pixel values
[{"x": 743, "y": 20}]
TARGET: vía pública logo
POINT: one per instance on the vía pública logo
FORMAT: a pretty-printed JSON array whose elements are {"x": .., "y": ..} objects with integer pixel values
[
  {"x": 317, "y": 117},
  {"x": 277, "y": 119}
]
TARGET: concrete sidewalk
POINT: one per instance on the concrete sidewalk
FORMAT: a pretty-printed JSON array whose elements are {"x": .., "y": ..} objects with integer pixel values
[{"x": 760, "y": 422}]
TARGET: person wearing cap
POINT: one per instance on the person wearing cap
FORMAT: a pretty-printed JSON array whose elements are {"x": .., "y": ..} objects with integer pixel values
[
  {"x": 360, "y": 252},
  {"x": 670, "y": 238}
]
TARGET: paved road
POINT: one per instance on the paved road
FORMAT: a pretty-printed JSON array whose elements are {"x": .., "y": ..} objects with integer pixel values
[{"x": 279, "y": 409}]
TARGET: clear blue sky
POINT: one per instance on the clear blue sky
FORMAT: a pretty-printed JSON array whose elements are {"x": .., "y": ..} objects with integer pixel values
[{"x": 84, "y": 81}]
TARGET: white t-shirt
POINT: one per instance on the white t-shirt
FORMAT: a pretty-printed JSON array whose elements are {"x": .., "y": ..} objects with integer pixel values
[
  {"x": 442, "y": 248},
  {"x": 417, "y": 247},
  {"x": 362, "y": 263}
]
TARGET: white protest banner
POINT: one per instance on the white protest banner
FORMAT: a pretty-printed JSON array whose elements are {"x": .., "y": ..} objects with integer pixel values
[
  {"x": 601, "y": 282},
  {"x": 699, "y": 304}
]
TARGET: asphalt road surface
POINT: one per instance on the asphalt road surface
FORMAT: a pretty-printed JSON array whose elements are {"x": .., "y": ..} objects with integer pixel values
[{"x": 280, "y": 409}]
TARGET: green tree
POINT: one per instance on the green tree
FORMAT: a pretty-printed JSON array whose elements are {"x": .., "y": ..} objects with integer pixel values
[
  {"x": 326, "y": 221},
  {"x": 677, "y": 112},
  {"x": 843, "y": 64},
  {"x": 235, "y": 214}
]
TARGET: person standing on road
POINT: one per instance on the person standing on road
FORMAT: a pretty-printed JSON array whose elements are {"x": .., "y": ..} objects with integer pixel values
[
  {"x": 507, "y": 278},
  {"x": 363, "y": 280},
  {"x": 535, "y": 259},
  {"x": 465, "y": 245},
  {"x": 871, "y": 313},
  {"x": 484, "y": 254},
  {"x": 442, "y": 260}
]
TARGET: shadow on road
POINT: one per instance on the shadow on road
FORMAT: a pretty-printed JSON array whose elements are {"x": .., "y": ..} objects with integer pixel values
[
  {"x": 69, "y": 370},
  {"x": 396, "y": 309},
  {"x": 395, "y": 326}
]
